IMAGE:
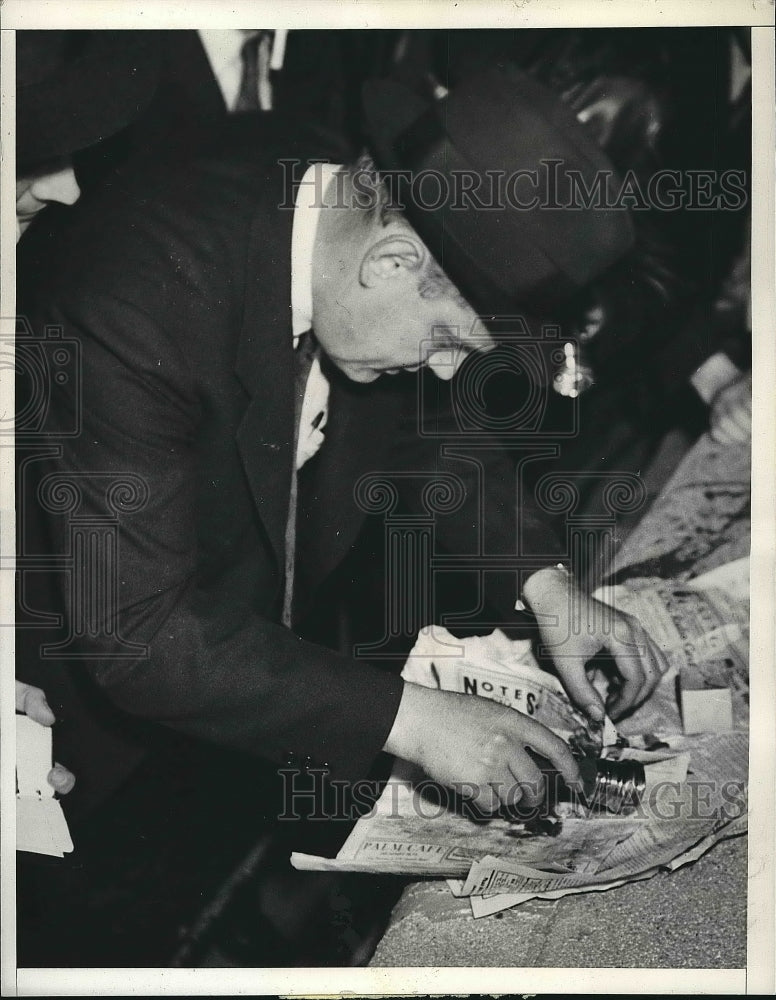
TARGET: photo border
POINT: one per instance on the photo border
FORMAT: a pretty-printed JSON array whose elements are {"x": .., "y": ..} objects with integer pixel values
[{"x": 758, "y": 977}]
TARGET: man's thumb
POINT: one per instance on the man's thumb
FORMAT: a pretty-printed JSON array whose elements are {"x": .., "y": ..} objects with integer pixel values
[{"x": 580, "y": 690}]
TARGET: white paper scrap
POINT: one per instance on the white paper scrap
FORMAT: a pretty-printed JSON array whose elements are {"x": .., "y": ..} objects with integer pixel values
[
  {"x": 706, "y": 710},
  {"x": 41, "y": 827},
  {"x": 33, "y": 758}
]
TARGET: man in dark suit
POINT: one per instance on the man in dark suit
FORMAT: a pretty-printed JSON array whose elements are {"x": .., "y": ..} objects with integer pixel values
[
  {"x": 207, "y": 76},
  {"x": 72, "y": 89},
  {"x": 189, "y": 320}
]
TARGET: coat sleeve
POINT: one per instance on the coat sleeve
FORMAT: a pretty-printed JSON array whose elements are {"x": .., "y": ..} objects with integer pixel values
[{"x": 206, "y": 663}]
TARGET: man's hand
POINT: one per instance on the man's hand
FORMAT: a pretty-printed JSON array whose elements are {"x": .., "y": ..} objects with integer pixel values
[
  {"x": 730, "y": 415},
  {"x": 31, "y": 701},
  {"x": 477, "y": 747},
  {"x": 728, "y": 394},
  {"x": 575, "y": 627},
  {"x": 713, "y": 375}
]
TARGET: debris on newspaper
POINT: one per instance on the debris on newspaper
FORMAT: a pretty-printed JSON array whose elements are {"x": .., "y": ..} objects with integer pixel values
[{"x": 659, "y": 794}]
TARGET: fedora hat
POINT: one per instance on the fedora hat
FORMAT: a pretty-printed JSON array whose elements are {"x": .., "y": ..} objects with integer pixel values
[
  {"x": 74, "y": 88},
  {"x": 501, "y": 254}
]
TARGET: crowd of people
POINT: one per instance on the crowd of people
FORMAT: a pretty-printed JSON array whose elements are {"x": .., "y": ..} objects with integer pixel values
[{"x": 245, "y": 304}]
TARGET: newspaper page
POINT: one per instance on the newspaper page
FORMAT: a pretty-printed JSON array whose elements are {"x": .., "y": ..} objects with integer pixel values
[
  {"x": 695, "y": 790},
  {"x": 502, "y": 670},
  {"x": 701, "y": 520},
  {"x": 703, "y": 627}
]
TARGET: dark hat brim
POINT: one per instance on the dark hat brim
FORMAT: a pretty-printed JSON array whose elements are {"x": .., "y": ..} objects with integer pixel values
[
  {"x": 501, "y": 121},
  {"x": 88, "y": 99}
]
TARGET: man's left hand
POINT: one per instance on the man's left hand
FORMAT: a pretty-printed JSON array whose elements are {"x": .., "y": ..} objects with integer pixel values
[
  {"x": 575, "y": 627},
  {"x": 31, "y": 701}
]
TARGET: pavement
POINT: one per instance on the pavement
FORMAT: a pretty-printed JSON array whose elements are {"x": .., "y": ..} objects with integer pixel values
[{"x": 692, "y": 918}]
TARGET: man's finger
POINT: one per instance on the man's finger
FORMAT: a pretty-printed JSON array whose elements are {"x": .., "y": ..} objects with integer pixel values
[
  {"x": 571, "y": 671},
  {"x": 526, "y": 784},
  {"x": 718, "y": 433},
  {"x": 486, "y": 799},
  {"x": 32, "y": 702},
  {"x": 726, "y": 431},
  {"x": 555, "y": 750},
  {"x": 60, "y": 779},
  {"x": 632, "y": 674},
  {"x": 742, "y": 419},
  {"x": 653, "y": 663}
]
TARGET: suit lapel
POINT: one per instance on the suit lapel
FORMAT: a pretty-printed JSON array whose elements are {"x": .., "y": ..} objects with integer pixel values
[
  {"x": 361, "y": 419},
  {"x": 265, "y": 368},
  {"x": 193, "y": 78}
]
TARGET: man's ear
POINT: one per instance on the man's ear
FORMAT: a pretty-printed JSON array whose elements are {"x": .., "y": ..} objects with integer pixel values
[{"x": 391, "y": 257}]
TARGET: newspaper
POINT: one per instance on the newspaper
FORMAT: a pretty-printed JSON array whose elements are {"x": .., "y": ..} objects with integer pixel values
[
  {"x": 501, "y": 670},
  {"x": 703, "y": 627},
  {"x": 695, "y": 789},
  {"x": 701, "y": 519},
  {"x": 411, "y": 833}
]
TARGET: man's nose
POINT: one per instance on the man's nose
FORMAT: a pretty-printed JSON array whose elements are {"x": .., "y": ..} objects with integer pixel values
[
  {"x": 445, "y": 363},
  {"x": 60, "y": 186}
]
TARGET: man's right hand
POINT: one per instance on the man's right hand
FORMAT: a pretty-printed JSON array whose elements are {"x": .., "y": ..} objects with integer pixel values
[{"x": 477, "y": 747}]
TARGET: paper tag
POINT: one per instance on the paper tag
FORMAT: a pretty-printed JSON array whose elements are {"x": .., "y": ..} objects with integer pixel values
[
  {"x": 33, "y": 758},
  {"x": 706, "y": 710},
  {"x": 664, "y": 772},
  {"x": 41, "y": 827}
]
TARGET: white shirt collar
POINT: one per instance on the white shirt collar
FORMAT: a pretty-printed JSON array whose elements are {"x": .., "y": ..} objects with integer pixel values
[
  {"x": 223, "y": 48},
  {"x": 307, "y": 208}
]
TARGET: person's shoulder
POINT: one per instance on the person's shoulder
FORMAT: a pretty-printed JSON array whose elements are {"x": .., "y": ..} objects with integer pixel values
[
  {"x": 252, "y": 155},
  {"x": 245, "y": 168},
  {"x": 176, "y": 222},
  {"x": 241, "y": 149}
]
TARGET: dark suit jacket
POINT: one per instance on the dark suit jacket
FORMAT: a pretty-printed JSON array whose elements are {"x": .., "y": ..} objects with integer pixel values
[
  {"x": 176, "y": 286},
  {"x": 188, "y": 106}
]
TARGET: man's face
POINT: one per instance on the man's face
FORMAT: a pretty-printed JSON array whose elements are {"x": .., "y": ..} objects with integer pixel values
[
  {"x": 393, "y": 311},
  {"x": 52, "y": 182}
]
